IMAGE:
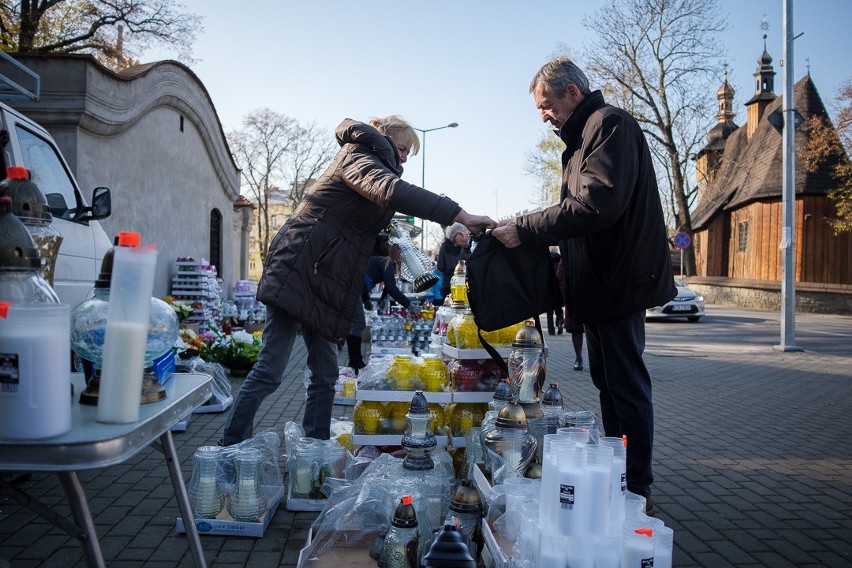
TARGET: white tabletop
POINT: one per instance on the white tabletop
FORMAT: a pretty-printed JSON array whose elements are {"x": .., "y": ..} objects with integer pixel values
[{"x": 90, "y": 444}]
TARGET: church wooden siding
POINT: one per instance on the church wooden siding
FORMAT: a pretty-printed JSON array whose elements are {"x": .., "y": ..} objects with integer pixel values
[{"x": 821, "y": 256}]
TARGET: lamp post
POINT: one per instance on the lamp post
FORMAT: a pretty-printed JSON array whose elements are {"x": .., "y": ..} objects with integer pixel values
[{"x": 423, "y": 131}]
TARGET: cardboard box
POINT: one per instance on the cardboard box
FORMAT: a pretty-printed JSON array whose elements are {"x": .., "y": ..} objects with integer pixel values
[
  {"x": 481, "y": 481},
  {"x": 223, "y": 524},
  {"x": 351, "y": 552},
  {"x": 214, "y": 404},
  {"x": 495, "y": 548},
  {"x": 302, "y": 504},
  {"x": 344, "y": 400}
]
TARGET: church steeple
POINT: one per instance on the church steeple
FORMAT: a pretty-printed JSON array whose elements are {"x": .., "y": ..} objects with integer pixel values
[
  {"x": 708, "y": 159},
  {"x": 725, "y": 95},
  {"x": 764, "y": 84}
]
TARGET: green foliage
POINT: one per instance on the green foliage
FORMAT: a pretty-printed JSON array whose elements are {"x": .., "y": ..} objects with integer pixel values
[
  {"x": 827, "y": 148},
  {"x": 545, "y": 164}
]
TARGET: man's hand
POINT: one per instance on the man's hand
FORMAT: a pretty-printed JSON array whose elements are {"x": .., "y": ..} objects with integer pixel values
[
  {"x": 475, "y": 223},
  {"x": 508, "y": 235}
]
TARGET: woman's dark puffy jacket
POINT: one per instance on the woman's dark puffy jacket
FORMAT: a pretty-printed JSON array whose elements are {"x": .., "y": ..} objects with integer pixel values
[{"x": 316, "y": 263}]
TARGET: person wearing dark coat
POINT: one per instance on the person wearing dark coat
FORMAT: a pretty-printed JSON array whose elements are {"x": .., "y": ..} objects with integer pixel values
[
  {"x": 381, "y": 269},
  {"x": 611, "y": 234},
  {"x": 555, "y": 317},
  {"x": 314, "y": 271},
  {"x": 455, "y": 247}
]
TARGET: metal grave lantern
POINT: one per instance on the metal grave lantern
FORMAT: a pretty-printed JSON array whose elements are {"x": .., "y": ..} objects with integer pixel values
[{"x": 416, "y": 266}]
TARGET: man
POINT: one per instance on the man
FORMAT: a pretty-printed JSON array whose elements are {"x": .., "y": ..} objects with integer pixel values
[
  {"x": 455, "y": 247},
  {"x": 611, "y": 233}
]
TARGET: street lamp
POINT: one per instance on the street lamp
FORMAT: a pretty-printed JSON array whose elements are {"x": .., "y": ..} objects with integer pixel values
[{"x": 423, "y": 131}]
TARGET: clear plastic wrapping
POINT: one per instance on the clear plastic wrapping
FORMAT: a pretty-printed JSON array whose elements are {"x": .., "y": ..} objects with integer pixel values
[{"x": 221, "y": 384}]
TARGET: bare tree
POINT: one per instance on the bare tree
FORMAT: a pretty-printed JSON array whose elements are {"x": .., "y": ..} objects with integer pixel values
[
  {"x": 114, "y": 31},
  {"x": 277, "y": 155},
  {"x": 312, "y": 150},
  {"x": 660, "y": 60}
]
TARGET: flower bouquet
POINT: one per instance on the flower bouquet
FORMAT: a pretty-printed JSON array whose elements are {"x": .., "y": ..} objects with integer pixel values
[
  {"x": 238, "y": 351},
  {"x": 181, "y": 308}
]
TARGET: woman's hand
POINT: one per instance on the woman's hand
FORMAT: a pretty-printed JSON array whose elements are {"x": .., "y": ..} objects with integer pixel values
[{"x": 475, "y": 223}]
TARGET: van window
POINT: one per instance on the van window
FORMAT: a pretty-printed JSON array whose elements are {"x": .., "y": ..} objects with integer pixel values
[{"x": 49, "y": 173}]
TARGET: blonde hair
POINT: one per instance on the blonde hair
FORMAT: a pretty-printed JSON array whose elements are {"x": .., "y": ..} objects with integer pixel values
[{"x": 397, "y": 128}]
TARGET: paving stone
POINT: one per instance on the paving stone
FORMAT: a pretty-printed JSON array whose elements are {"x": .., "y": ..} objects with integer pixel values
[{"x": 744, "y": 496}]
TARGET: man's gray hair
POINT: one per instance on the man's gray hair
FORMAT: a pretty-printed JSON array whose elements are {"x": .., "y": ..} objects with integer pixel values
[
  {"x": 454, "y": 230},
  {"x": 556, "y": 75}
]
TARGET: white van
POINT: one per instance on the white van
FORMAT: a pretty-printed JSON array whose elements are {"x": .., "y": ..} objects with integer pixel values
[{"x": 25, "y": 143}]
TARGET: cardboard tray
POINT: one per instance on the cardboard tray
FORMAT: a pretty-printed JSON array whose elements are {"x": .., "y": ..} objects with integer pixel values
[
  {"x": 354, "y": 553},
  {"x": 495, "y": 548},
  {"x": 224, "y": 525}
]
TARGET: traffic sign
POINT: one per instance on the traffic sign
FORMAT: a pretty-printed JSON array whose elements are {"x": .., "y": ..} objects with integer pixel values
[{"x": 682, "y": 240}]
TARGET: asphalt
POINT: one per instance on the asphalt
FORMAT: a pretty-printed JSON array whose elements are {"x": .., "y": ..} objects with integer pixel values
[{"x": 753, "y": 460}]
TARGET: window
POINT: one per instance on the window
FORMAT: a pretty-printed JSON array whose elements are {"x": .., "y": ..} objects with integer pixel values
[
  {"x": 49, "y": 173},
  {"x": 216, "y": 241},
  {"x": 742, "y": 237}
]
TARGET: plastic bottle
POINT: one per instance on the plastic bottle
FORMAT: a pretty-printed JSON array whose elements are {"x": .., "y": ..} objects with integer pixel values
[{"x": 127, "y": 331}]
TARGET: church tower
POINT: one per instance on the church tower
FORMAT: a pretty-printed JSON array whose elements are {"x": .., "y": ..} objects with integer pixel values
[
  {"x": 708, "y": 159},
  {"x": 764, "y": 80}
]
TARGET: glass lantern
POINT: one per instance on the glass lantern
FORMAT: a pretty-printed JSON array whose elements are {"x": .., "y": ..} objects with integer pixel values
[
  {"x": 527, "y": 370},
  {"x": 418, "y": 441},
  {"x": 509, "y": 445}
]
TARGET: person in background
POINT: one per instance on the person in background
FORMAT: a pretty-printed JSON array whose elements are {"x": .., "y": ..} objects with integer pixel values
[
  {"x": 572, "y": 327},
  {"x": 555, "y": 316},
  {"x": 314, "y": 272},
  {"x": 454, "y": 248},
  {"x": 611, "y": 233},
  {"x": 380, "y": 269}
]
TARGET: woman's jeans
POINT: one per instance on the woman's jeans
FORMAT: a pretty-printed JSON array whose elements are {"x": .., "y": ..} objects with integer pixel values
[{"x": 279, "y": 333}]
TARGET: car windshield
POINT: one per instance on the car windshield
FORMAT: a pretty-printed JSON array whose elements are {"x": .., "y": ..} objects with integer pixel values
[{"x": 679, "y": 282}]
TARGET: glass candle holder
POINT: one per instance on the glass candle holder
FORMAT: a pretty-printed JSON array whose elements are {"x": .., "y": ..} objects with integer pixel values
[
  {"x": 248, "y": 503},
  {"x": 205, "y": 495}
]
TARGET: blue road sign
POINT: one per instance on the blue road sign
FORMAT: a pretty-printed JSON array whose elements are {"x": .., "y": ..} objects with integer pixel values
[{"x": 682, "y": 240}]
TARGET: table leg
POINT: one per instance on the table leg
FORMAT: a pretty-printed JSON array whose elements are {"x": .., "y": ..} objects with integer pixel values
[
  {"x": 168, "y": 447},
  {"x": 83, "y": 517}
]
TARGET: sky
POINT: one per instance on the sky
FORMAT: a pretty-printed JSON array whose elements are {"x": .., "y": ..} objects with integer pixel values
[{"x": 435, "y": 62}]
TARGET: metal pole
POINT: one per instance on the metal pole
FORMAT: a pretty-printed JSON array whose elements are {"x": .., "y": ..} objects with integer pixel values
[
  {"x": 423, "y": 185},
  {"x": 423, "y": 174},
  {"x": 788, "y": 201}
]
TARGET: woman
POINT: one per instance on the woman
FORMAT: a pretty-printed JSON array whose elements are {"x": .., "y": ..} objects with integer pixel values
[{"x": 314, "y": 271}]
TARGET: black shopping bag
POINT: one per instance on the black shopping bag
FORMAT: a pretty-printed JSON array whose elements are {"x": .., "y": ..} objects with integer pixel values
[{"x": 509, "y": 285}]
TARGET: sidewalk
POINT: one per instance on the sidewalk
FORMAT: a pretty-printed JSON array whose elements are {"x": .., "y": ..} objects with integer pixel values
[{"x": 753, "y": 467}]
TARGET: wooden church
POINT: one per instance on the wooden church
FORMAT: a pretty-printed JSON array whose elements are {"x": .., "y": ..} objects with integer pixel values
[{"x": 738, "y": 220}]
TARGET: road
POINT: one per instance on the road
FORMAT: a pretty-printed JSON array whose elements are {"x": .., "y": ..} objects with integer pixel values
[{"x": 724, "y": 326}]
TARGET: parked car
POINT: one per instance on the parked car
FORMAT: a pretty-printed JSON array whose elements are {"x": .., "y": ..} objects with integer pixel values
[
  {"x": 84, "y": 242},
  {"x": 687, "y": 303}
]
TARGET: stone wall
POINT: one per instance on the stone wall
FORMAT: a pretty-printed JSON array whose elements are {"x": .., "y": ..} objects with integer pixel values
[{"x": 766, "y": 295}]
